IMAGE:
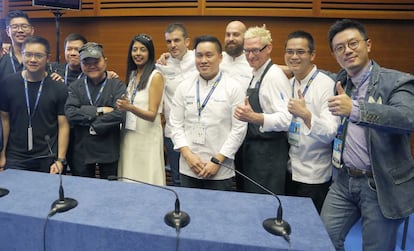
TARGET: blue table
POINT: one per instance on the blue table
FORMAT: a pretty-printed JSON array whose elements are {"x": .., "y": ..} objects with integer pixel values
[{"x": 113, "y": 215}]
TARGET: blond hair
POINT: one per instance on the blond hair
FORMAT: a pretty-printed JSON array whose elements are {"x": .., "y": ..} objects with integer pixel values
[{"x": 260, "y": 32}]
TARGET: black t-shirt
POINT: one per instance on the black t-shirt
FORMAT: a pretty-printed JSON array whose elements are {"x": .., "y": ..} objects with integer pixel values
[
  {"x": 44, "y": 119},
  {"x": 65, "y": 72},
  {"x": 8, "y": 66}
]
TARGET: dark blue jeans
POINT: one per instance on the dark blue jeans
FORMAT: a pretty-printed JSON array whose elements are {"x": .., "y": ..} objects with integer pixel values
[{"x": 349, "y": 199}]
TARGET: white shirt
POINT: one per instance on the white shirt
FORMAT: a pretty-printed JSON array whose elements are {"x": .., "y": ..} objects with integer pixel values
[
  {"x": 175, "y": 72},
  {"x": 273, "y": 98},
  {"x": 224, "y": 133},
  {"x": 310, "y": 162},
  {"x": 238, "y": 68}
]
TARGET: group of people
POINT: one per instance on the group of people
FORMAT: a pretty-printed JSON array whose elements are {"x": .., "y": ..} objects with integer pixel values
[{"x": 290, "y": 128}]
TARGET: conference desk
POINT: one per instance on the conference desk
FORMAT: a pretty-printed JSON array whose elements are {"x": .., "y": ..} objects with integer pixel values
[{"x": 113, "y": 215}]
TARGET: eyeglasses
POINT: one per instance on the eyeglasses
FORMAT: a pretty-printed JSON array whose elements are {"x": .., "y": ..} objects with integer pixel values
[
  {"x": 37, "y": 56},
  {"x": 352, "y": 44},
  {"x": 23, "y": 27},
  {"x": 299, "y": 52},
  {"x": 254, "y": 51}
]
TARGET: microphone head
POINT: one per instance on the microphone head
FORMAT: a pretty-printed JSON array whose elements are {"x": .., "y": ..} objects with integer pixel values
[{"x": 47, "y": 137}]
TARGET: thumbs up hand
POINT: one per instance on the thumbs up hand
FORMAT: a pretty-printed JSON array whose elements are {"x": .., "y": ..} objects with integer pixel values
[
  {"x": 341, "y": 104},
  {"x": 245, "y": 113},
  {"x": 297, "y": 106},
  {"x": 339, "y": 88}
]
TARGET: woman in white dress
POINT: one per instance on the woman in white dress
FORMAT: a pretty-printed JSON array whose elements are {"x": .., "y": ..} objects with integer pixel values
[{"x": 142, "y": 155}]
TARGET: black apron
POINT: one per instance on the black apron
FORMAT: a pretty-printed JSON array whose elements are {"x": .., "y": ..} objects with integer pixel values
[{"x": 262, "y": 156}]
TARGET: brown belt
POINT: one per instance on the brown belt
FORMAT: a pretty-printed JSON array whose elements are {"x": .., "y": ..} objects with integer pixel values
[{"x": 352, "y": 172}]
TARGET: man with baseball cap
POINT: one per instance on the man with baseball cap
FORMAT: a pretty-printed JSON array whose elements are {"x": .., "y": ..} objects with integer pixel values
[{"x": 91, "y": 111}]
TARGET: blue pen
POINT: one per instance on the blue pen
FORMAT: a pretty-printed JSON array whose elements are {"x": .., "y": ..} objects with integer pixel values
[{"x": 282, "y": 97}]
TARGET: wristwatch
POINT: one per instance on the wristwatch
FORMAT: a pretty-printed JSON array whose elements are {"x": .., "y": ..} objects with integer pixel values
[
  {"x": 63, "y": 161},
  {"x": 100, "y": 111}
]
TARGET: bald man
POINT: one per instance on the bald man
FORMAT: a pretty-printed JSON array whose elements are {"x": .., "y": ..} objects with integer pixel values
[{"x": 234, "y": 61}]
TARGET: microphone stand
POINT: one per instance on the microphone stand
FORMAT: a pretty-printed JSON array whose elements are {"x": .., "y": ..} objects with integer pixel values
[
  {"x": 57, "y": 14},
  {"x": 62, "y": 204},
  {"x": 275, "y": 226},
  {"x": 176, "y": 219}
]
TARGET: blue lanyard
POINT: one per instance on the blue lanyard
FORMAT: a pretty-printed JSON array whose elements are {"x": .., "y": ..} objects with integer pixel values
[
  {"x": 89, "y": 93},
  {"x": 366, "y": 76},
  {"x": 307, "y": 85},
  {"x": 39, "y": 92},
  {"x": 66, "y": 74},
  {"x": 200, "y": 107},
  {"x": 11, "y": 60}
]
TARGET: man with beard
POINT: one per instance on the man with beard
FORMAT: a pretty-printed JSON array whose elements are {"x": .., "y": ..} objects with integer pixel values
[{"x": 234, "y": 61}]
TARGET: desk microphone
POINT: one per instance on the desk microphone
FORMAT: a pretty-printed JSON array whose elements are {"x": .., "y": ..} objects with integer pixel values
[
  {"x": 276, "y": 226},
  {"x": 176, "y": 219},
  {"x": 62, "y": 204}
]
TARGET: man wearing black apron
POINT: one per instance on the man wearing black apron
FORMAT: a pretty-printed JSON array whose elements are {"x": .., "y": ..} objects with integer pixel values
[{"x": 264, "y": 153}]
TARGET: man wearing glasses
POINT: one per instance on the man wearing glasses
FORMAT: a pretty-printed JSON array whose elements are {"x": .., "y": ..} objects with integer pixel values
[
  {"x": 313, "y": 127},
  {"x": 18, "y": 27},
  {"x": 264, "y": 153},
  {"x": 375, "y": 180},
  {"x": 35, "y": 128}
]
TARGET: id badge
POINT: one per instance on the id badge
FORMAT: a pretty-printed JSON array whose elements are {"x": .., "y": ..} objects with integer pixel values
[
  {"x": 337, "y": 152},
  {"x": 294, "y": 133},
  {"x": 198, "y": 134},
  {"x": 130, "y": 121},
  {"x": 29, "y": 138}
]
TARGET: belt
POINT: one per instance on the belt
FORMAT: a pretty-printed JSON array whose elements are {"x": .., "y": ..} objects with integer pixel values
[{"x": 353, "y": 172}]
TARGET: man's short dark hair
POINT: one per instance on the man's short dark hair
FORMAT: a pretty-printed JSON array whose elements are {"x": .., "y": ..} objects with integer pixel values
[
  {"x": 37, "y": 40},
  {"x": 208, "y": 38},
  {"x": 177, "y": 26},
  {"x": 304, "y": 35},
  {"x": 75, "y": 37},
  {"x": 345, "y": 24},
  {"x": 15, "y": 14}
]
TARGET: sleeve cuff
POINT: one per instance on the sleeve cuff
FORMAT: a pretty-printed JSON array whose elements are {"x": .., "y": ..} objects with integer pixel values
[{"x": 355, "y": 115}]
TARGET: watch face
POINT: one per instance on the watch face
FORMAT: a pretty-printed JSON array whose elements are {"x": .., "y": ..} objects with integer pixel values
[{"x": 63, "y": 161}]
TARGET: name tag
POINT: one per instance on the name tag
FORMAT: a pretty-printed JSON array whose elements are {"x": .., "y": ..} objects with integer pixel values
[
  {"x": 294, "y": 133},
  {"x": 198, "y": 134}
]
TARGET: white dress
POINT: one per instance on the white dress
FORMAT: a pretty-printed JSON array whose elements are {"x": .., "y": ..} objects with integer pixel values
[{"x": 142, "y": 152}]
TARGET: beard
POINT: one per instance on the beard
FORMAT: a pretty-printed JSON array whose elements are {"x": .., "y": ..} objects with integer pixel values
[{"x": 233, "y": 50}]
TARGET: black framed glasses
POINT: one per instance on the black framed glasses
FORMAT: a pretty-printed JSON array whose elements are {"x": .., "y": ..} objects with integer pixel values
[
  {"x": 23, "y": 27},
  {"x": 255, "y": 51},
  {"x": 352, "y": 44}
]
